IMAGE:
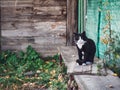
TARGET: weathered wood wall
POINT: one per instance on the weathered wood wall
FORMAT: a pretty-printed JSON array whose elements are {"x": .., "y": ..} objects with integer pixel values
[
  {"x": 40, "y": 23},
  {"x": 72, "y": 7}
]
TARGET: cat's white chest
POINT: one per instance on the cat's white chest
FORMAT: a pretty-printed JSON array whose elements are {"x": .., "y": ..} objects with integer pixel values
[{"x": 80, "y": 43}]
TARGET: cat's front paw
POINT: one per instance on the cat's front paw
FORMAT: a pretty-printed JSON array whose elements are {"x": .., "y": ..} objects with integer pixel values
[
  {"x": 88, "y": 63},
  {"x": 83, "y": 64},
  {"x": 79, "y": 62}
]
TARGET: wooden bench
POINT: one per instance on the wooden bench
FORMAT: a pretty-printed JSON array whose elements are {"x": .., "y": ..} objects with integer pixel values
[{"x": 87, "y": 77}]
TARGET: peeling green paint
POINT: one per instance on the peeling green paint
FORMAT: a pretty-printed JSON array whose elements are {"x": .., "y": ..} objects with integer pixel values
[{"x": 96, "y": 13}]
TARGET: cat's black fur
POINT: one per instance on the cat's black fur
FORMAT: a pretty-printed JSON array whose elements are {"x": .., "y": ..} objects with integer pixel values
[{"x": 86, "y": 50}]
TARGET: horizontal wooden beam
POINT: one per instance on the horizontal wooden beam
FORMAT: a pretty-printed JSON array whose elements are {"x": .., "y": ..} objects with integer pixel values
[{"x": 86, "y": 79}]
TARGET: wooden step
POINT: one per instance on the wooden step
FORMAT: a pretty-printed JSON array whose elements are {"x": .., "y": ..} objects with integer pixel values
[{"x": 84, "y": 77}]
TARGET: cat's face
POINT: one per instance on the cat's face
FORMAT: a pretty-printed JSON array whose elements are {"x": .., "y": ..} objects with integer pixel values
[
  {"x": 81, "y": 36},
  {"x": 80, "y": 39}
]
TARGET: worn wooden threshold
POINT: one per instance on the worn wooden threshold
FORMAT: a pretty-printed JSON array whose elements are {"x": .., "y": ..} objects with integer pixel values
[{"x": 87, "y": 77}]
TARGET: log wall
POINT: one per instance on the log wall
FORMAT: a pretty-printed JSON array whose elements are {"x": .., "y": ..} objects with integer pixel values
[{"x": 40, "y": 23}]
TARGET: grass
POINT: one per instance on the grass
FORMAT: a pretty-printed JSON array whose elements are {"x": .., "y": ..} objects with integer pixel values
[{"x": 28, "y": 71}]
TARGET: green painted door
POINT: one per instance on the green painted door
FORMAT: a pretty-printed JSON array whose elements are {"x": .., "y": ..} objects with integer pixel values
[
  {"x": 95, "y": 11},
  {"x": 81, "y": 15},
  {"x": 93, "y": 24},
  {"x": 88, "y": 20}
]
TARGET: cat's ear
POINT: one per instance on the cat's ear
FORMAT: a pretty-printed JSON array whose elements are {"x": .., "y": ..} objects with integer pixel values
[
  {"x": 75, "y": 33},
  {"x": 84, "y": 33}
]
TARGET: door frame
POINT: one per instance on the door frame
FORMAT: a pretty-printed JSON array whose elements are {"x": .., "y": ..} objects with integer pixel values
[
  {"x": 76, "y": 19},
  {"x": 72, "y": 20}
]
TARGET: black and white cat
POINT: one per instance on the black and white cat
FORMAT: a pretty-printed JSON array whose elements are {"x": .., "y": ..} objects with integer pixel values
[{"x": 86, "y": 49}]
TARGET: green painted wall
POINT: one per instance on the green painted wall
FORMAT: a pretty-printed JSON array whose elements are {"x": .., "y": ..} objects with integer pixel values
[
  {"x": 92, "y": 23},
  {"x": 96, "y": 20},
  {"x": 81, "y": 15}
]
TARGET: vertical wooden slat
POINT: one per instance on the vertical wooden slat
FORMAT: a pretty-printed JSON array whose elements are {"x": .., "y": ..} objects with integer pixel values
[
  {"x": 85, "y": 14},
  {"x": 82, "y": 11},
  {"x": 79, "y": 14},
  {"x": 82, "y": 14},
  {"x": 71, "y": 20},
  {"x": 0, "y": 30}
]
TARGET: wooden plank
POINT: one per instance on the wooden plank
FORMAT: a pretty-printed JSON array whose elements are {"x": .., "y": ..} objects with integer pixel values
[
  {"x": 49, "y": 18},
  {"x": 19, "y": 6},
  {"x": 5, "y": 11},
  {"x": 44, "y": 50},
  {"x": 29, "y": 11},
  {"x": 10, "y": 2},
  {"x": 43, "y": 36},
  {"x": 36, "y": 29},
  {"x": 18, "y": 32},
  {"x": 50, "y": 10},
  {"x": 37, "y": 40},
  {"x": 69, "y": 55},
  {"x": 50, "y": 2},
  {"x": 34, "y": 18},
  {"x": 26, "y": 18},
  {"x": 71, "y": 20},
  {"x": 16, "y": 3},
  {"x": 87, "y": 81},
  {"x": 41, "y": 24},
  {"x": 18, "y": 0},
  {"x": 16, "y": 40},
  {"x": 13, "y": 25}
]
